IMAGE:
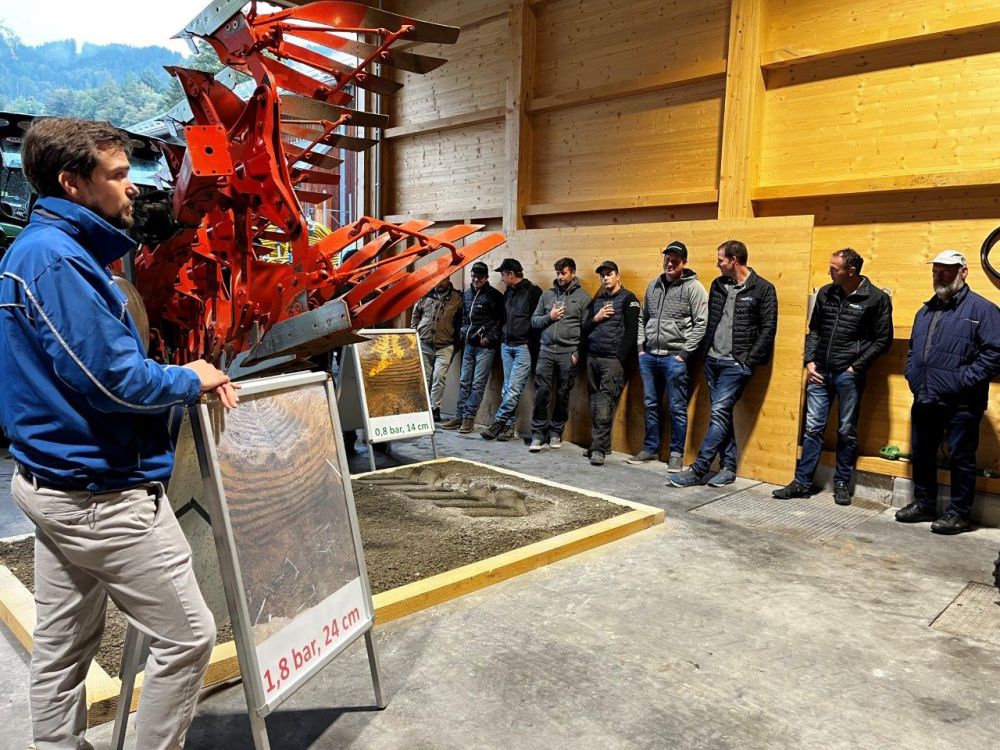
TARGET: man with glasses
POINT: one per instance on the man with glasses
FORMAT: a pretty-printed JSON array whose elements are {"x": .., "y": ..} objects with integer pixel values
[
  {"x": 672, "y": 323},
  {"x": 610, "y": 329},
  {"x": 482, "y": 319}
]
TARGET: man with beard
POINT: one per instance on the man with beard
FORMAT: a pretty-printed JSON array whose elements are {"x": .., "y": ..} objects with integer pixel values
[
  {"x": 559, "y": 316},
  {"x": 86, "y": 413},
  {"x": 437, "y": 318},
  {"x": 954, "y": 354},
  {"x": 610, "y": 328}
]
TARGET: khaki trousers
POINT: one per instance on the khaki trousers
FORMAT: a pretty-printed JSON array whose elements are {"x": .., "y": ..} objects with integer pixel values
[{"x": 129, "y": 546}]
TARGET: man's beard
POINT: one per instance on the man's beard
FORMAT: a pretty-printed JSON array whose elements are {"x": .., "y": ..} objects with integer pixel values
[
  {"x": 945, "y": 292},
  {"x": 123, "y": 220}
]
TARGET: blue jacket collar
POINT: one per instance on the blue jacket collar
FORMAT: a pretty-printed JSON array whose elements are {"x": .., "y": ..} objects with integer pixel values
[{"x": 105, "y": 242}]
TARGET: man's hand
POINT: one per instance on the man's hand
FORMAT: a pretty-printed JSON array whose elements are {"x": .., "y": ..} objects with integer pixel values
[
  {"x": 604, "y": 313},
  {"x": 556, "y": 313},
  {"x": 814, "y": 375},
  {"x": 574, "y": 359},
  {"x": 852, "y": 370},
  {"x": 679, "y": 358},
  {"x": 484, "y": 341},
  {"x": 214, "y": 379}
]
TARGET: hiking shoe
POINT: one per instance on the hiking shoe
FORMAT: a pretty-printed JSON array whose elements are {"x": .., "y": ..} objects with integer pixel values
[
  {"x": 452, "y": 424},
  {"x": 676, "y": 462},
  {"x": 468, "y": 425},
  {"x": 642, "y": 457},
  {"x": 951, "y": 523},
  {"x": 596, "y": 458},
  {"x": 555, "y": 441},
  {"x": 507, "y": 433},
  {"x": 687, "y": 478},
  {"x": 790, "y": 490},
  {"x": 916, "y": 513},
  {"x": 724, "y": 477},
  {"x": 536, "y": 445},
  {"x": 436, "y": 415},
  {"x": 493, "y": 431},
  {"x": 841, "y": 495}
]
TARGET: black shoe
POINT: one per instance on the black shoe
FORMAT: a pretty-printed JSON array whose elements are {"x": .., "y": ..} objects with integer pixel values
[
  {"x": 436, "y": 415},
  {"x": 596, "y": 458},
  {"x": 793, "y": 489},
  {"x": 951, "y": 523},
  {"x": 841, "y": 495},
  {"x": 493, "y": 431},
  {"x": 916, "y": 513}
]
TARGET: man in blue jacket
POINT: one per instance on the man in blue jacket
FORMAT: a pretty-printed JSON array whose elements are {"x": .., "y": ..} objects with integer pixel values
[
  {"x": 954, "y": 354},
  {"x": 86, "y": 413}
]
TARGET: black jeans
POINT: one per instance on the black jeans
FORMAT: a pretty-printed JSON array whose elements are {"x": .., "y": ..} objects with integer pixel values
[
  {"x": 929, "y": 425},
  {"x": 554, "y": 373},
  {"x": 605, "y": 380}
]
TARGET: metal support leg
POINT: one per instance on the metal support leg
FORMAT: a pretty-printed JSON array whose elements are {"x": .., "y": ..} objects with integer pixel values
[
  {"x": 375, "y": 667},
  {"x": 133, "y": 649},
  {"x": 258, "y": 728},
  {"x": 434, "y": 446},
  {"x": 371, "y": 453}
]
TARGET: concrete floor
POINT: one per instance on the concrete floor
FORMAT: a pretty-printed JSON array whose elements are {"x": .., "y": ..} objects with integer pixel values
[{"x": 696, "y": 634}]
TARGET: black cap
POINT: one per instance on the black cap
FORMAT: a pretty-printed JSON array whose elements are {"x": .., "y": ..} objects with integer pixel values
[
  {"x": 677, "y": 247},
  {"x": 480, "y": 269},
  {"x": 609, "y": 265},
  {"x": 510, "y": 264}
]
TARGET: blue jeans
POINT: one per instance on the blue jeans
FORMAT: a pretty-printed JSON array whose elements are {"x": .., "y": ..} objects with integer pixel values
[
  {"x": 516, "y": 369},
  {"x": 846, "y": 387},
  {"x": 726, "y": 379},
  {"x": 664, "y": 372},
  {"x": 476, "y": 365}
]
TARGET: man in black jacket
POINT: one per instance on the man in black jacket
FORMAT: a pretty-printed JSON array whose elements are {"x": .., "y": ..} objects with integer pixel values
[
  {"x": 610, "y": 328},
  {"x": 742, "y": 321},
  {"x": 954, "y": 354},
  {"x": 850, "y": 327},
  {"x": 518, "y": 338},
  {"x": 482, "y": 319}
]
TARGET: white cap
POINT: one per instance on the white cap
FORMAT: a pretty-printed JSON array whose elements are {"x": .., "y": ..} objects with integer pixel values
[{"x": 949, "y": 258}]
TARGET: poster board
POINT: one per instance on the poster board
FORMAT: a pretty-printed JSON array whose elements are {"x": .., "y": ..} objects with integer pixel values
[
  {"x": 286, "y": 531},
  {"x": 383, "y": 381}
]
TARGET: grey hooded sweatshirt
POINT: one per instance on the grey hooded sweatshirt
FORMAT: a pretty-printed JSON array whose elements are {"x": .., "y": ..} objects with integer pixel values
[
  {"x": 673, "y": 316},
  {"x": 563, "y": 335}
]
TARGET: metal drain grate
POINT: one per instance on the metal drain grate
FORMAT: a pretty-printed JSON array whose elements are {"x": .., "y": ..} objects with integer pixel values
[
  {"x": 811, "y": 519},
  {"x": 975, "y": 613}
]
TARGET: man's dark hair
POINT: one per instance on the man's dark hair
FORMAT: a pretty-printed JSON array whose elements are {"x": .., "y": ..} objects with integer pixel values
[
  {"x": 565, "y": 263},
  {"x": 57, "y": 144},
  {"x": 735, "y": 250},
  {"x": 851, "y": 258}
]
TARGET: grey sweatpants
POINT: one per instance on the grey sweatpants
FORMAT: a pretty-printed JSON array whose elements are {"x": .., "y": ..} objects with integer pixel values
[{"x": 129, "y": 546}]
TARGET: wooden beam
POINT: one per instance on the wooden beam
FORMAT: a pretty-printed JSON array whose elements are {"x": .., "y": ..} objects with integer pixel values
[
  {"x": 691, "y": 74},
  {"x": 903, "y": 468},
  {"x": 446, "y": 123},
  {"x": 517, "y": 131},
  {"x": 742, "y": 110},
  {"x": 465, "y": 214},
  {"x": 881, "y": 184},
  {"x": 649, "y": 200}
]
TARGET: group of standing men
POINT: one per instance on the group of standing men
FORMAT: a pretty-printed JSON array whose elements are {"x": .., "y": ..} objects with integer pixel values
[{"x": 954, "y": 354}]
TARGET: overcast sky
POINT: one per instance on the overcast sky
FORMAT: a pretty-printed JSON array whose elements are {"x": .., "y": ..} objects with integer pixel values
[{"x": 135, "y": 22}]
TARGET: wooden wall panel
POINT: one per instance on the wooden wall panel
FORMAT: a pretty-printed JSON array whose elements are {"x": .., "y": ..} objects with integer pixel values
[
  {"x": 767, "y": 418},
  {"x": 933, "y": 117},
  {"x": 448, "y": 172},
  {"x": 660, "y": 142},
  {"x": 582, "y": 44}
]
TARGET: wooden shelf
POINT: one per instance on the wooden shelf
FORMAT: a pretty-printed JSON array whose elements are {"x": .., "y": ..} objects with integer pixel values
[
  {"x": 883, "y": 184},
  {"x": 903, "y": 468},
  {"x": 493, "y": 114},
  {"x": 650, "y": 200}
]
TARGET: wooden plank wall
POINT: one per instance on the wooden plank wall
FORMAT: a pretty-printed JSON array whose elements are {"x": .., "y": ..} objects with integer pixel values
[{"x": 878, "y": 119}]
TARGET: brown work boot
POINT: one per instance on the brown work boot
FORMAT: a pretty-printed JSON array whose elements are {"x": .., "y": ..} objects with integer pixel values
[
  {"x": 452, "y": 424},
  {"x": 467, "y": 426}
]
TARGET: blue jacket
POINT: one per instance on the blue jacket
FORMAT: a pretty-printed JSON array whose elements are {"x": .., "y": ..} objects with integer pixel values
[
  {"x": 956, "y": 365},
  {"x": 81, "y": 404}
]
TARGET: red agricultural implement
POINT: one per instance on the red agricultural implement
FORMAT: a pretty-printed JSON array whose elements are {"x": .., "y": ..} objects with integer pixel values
[{"x": 248, "y": 167}]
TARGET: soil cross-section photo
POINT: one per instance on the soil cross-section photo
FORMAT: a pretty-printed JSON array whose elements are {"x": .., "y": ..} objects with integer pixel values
[{"x": 393, "y": 378}]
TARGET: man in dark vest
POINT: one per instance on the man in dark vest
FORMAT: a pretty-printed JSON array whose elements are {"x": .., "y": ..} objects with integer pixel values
[
  {"x": 437, "y": 318},
  {"x": 742, "y": 321},
  {"x": 954, "y": 354}
]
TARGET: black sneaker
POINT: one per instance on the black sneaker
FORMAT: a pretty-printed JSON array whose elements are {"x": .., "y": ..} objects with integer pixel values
[
  {"x": 841, "y": 495},
  {"x": 790, "y": 490},
  {"x": 436, "y": 415},
  {"x": 916, "y": 513},
  {"x": 951, "y": 523}
]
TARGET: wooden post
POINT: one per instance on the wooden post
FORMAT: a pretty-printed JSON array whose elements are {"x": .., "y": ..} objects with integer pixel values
[
  {"x": 743, "y": 109},
  {"x": 517, "y": 135}
]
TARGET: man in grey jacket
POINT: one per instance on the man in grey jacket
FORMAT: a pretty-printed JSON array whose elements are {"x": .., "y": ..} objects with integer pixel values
[
  {"x": 437, "y": 318},
  {"x": 559, "y": 315},
  {"x": 672, "y": 323}
]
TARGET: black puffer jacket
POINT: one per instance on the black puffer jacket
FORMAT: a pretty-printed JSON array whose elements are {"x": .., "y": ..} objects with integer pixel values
[
  {"x": 614, "y": 336},
  {"x": 520, "y": 301},
  {"x": 755, "y": 317},
  {"x": 850, "y": 331},
  {"x": 482, "y": 316}
]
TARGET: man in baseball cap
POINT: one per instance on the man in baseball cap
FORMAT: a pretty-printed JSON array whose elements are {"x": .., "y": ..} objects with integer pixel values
[{"x": 954, "y": 354}]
